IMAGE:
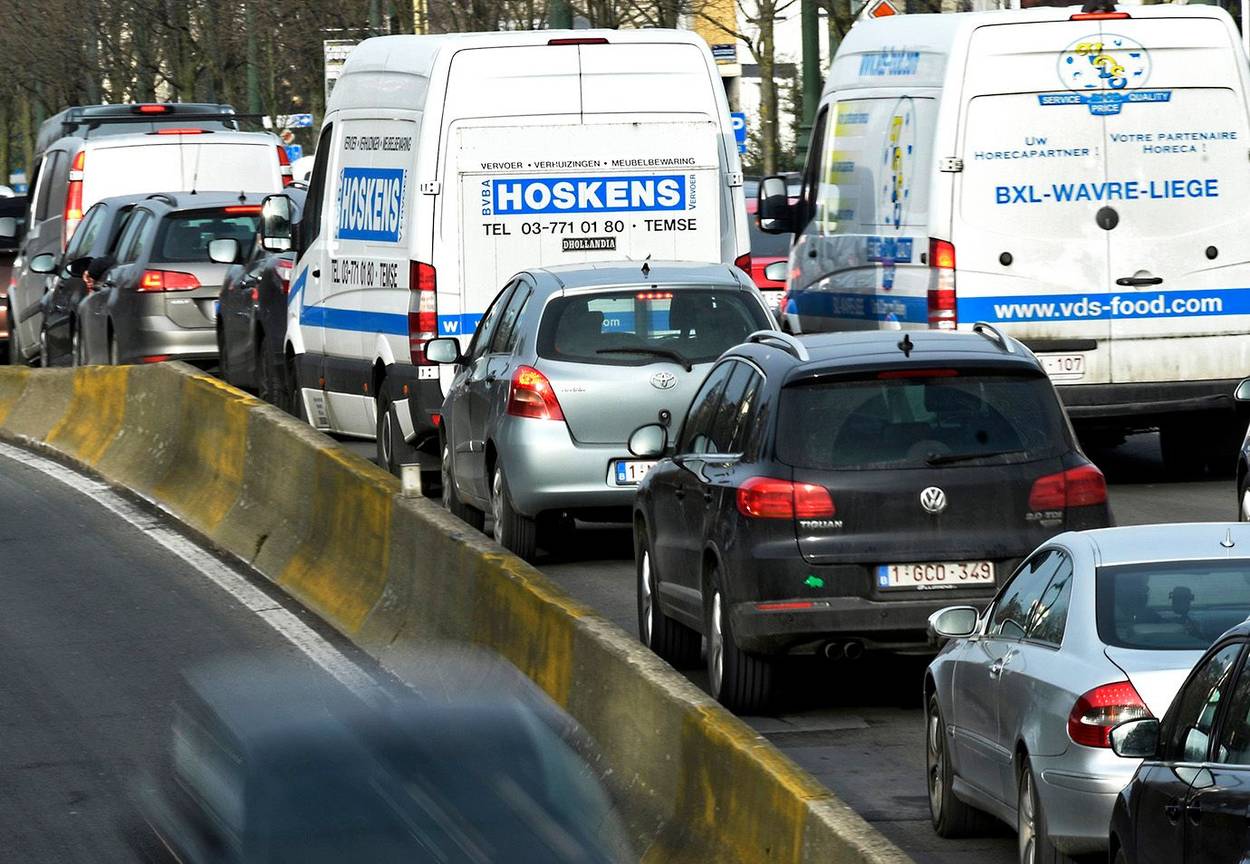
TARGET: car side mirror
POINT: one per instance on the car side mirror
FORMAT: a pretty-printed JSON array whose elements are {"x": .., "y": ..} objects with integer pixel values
[
  {"x": 649, "y": 441},
  {"x": 954, "y": 622},
  {"x": 1136, "y": 739},
  {"x": 777, "y": 271},
  {"x": 277, "y": 223},
  {"x": 223, "y": 250},
  {"x": 44, "y": 263},
  {"x": 8, "y": 228},
  {"x": 1242, "y": 393},
  {"x": 443, "y": 350},
  {"x": 79, "y": 266},
  {"x": 774, "y": 213}
]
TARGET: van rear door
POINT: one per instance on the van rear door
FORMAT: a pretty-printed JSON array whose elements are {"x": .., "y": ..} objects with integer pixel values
[{"x": 1180, "y": 253}]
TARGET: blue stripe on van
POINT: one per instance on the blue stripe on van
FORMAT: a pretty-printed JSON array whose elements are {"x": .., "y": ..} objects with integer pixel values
[
  {"x": 860, "y": 307},
  {"x": 395, "y": 324}
]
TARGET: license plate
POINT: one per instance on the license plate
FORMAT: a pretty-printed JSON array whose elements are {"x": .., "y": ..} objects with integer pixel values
[
  {"x": 629, "y": 472},
  {"x": 935, "y": 574},
  {"x": 1064, "y": 367}
]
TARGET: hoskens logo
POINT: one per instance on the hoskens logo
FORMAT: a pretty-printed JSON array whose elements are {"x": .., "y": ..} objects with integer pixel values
[
  {"x": 589, "y": 194},
  {"x": 371, "y": 204}
]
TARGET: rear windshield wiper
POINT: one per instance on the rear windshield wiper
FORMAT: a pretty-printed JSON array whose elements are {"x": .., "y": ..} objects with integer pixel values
[
  {"x": 947, "y": 459},
  {"x": 655, "y": 352}
]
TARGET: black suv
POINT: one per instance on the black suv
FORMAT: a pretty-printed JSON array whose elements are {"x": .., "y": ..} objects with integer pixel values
[{"x": 827, "y": 495}]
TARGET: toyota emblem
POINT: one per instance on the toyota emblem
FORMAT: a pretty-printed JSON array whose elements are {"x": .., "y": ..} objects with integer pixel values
[
  {"x": 663, "y": 380},
  {"x": 933, "y": 500}
]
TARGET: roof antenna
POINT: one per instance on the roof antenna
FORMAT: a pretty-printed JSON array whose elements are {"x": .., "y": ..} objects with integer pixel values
[
  {"x": 242, "y": 197},
  {"x": 906, "y": 345},
  {"x": 1228, "y": 542}
]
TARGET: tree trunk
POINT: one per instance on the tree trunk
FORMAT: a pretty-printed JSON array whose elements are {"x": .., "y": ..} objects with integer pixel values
[{"x": 770, "y": 141}]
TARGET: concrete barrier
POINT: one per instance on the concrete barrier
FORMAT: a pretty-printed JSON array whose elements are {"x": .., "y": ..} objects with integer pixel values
[{"x": 393, "y": 574}]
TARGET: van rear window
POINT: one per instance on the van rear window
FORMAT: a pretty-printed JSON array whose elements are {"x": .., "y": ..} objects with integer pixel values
[
  {"x": 944, "y": 417},
  {"x": 185, "y": 237},
  {"x": 175, "y": 167}
]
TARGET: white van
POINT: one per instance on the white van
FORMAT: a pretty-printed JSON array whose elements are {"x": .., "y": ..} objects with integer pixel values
[
  {"x": 448, "y": 163},
  {"x": 1080, "y": 180}
]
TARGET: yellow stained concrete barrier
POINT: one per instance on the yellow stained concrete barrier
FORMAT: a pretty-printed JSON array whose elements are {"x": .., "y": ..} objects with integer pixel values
[{"x": 694, "y": 782}]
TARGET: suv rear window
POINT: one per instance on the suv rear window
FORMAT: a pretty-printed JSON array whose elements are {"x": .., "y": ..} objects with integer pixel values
[
  {"x": 1171, "y": 606},
  {"x": 185, "y": 236},
  {"x": 945, "y": 417},
  {"x": 634, "y": 326}
]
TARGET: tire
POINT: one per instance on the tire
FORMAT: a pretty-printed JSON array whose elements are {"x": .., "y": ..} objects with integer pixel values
[
  {"x": 75, "y": 345},
  {"x": 15, "y": 342},
  {"x": 471, "y": 516},
  {"x": 671, "y": 640},
  {"x": 115, "y": 354},
  {"x": 295, "y": 399},
  {"x": 1243, "y": 514},
  {"x": 1033, "y": 841},
  {"x": 271, "y": 383},
  {"x": 1120, "y": 856},
  {"x": 223, "y": 363},
  {"x": 512, "y": 530},
  {"x": 393, "y": 450},
  {"x": 43, "y": 349},
  {"x": 742, "y": 682},
  {"x": 951, "y": 817}
]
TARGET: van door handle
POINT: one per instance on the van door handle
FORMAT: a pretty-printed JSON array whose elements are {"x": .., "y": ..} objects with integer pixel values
[
  {"x": 1139, "y": 281},
  {"x": 317, "y": 273}
]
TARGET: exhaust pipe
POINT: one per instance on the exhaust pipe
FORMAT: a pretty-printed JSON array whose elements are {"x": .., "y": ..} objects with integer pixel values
[
  {"x": 833, "y": 651},
  {"x": 853, "y": 650}
]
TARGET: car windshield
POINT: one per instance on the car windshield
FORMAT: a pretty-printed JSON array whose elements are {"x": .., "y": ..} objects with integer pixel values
[
  {"x": 634, "y": 326},
  {"x": 185, "y": 237},
  {"x": 1171, "y": 606},
  {"x": 931, "y": 417}
]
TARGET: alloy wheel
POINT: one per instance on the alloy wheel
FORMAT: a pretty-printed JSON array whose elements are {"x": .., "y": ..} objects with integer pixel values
[
  {"x": 644, "y": 594},
  {"x": 386, "y": 437},
  {"x": 936, "y": 753},
  {"x": 1027, "y": 825},
  {"x": 445, "y": 472},
  {"x": 716, "y": 645}
]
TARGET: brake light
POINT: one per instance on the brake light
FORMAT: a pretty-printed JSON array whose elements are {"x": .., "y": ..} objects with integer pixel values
[
  {"x": 1076, "y": 487},
  {"x": 1100, "y": 710},
  {"x": 769, "y": 498},
  {"x": 73, "y": 198},
  {"x": 179, "y": 131},
  {"x": 153, "y": 109},
  {"x": 588, "y": 40},
  {"x": 1098, "y": 16},
  {"x": 251, "y": 209},
  {"x": 153, "y": 281},
  {"x": 785, "y": 606},
  {"x": 942, "y": 314},
  {"x": 422, "y": 309},
  {"x": 531, "y": 396},
  {"x": 284, "y": 269},
  {"x": 743, "y": 262},
  {"x": 654, "y": 295},
  {"x": 284, "y": 167},
  {"x": 156, "y": 358}
]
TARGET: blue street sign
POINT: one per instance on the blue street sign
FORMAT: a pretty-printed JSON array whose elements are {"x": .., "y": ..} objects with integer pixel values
[
  {"x": 296, "y": 121},
  {"x": 739, "y": 120},
  {"x": 294, "y": 151}
]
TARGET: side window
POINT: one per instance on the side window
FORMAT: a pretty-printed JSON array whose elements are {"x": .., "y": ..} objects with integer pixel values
[
  {"x": 85, "y": 236},
  {"x": 747, "y": 419},
  {"x": 725, "y": 424},
  {"x": 131, "y": 242},
  {"x": 52, "y": 166},
  {"x": 310, "y": 225},
  {"x": 1234, "y": 744},
  {"x": 58, "y": 185},
  {"x": 506, "y": 333},
  {"x": 1019, "y": 601},
  {"x": 120, "y": 220},
  {"x": 486, "y": 327},
  {"x": 694, "y": 432},
  {"x": 1051, "y": 616},
  {"x": 811, "y": 171},
  {"x": 1188, "y": 735}
]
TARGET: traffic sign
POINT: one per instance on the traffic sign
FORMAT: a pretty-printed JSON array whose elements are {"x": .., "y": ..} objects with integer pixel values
[
  {"x": 293, "y": 152},
  {"x": 739, "y": 122},
  {"x": 287, "y": 136},
  {"x": 295, "y": 121},
  {"x": 881, "y": 9}
]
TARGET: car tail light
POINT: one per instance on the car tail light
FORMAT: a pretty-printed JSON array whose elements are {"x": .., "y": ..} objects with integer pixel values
[
  {"x": 73, "y": 198},
  {"x": 769, "y": 498},
  {"x": 237, "y": 209},
  {"x": 1076, "y": 487},
  {"x": 180, "y": 130},
  {"x": 153, "y": 109},
  {"x": 942, "y": 314},
  {"x": 422, "y": 309},
  {"x": 654, "y": 295},
  {"x": 284, "y": 166},
  {"x": 153, "y": 281},
  {"x": 531, "y": 395},
  {"x": 743, "y": 262},
  {"x": 156, "y": 358},
  {"x": 284, "y": 269},
  {"x": 1100, "y": 710}
]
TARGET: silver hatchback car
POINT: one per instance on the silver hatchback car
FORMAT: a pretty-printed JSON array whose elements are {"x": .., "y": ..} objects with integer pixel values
[
  {"x": 1095, "y": 628},
  {"x": 565, "y": 364}
]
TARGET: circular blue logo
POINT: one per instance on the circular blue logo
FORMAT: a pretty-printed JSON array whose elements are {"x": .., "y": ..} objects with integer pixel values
[{"x": 1104, "y": 62}]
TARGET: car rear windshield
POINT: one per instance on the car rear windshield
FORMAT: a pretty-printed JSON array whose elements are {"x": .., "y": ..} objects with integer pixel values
[
  {"x": 636, "y": 326},
  {"x": 185, "y": 236},
  {"x": 1173, "y": 605},
  {"x": 943, "y": 417}
]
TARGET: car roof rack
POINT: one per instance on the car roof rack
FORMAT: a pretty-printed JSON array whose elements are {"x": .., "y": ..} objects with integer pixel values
[
  {"x": 162, "y": 196},
  {"x": 989, "y": 331},
  {"x": 781, "y": 340}
]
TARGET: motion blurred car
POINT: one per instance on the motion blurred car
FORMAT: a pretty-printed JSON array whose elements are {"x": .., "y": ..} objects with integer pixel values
[
  {"x": 1095, "y": 629},
  {"x": 564, "y": 363},
  {"x": 11, "y": 207},
  {"x": 826, "y": 495},
  {"x": 251, "y": 318},
  {"x": 159, "y": 300},
  {"x": 1188, "y": 801}
]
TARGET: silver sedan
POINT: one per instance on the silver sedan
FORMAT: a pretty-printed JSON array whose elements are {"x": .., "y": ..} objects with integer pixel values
[{"x": 1094, "y": 628}]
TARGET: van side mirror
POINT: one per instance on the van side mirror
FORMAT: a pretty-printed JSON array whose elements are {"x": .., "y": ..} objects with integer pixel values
[
  {"x": 443, "y": 350},
  {"x": 223, "y": 250},
  {"x": 1136, "y": 739},
  {"x": 45, "y": 263},
  {"x": 649, "y": 441},
  {"x": 1242, "y": 393},
  {"x": 774, "y": 214},
  {"x": 277, "y": 227},
  {"x": 953, "y": 622},
  {"x": 8, "y": 228}
]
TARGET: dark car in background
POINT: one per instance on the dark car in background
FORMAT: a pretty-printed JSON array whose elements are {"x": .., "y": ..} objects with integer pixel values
[
  {"x": 251, "y": 318},
  {"x": 159, "y": 300},
  {"x": 828, "y": 495},
  {"x": 13, "y": 207}
]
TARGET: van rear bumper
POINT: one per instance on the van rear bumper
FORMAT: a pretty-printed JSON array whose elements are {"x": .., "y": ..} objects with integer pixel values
[{"x": 1142, "y": 402}]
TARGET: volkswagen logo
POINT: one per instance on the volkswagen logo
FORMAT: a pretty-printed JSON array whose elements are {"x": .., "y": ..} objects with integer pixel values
[
  {"x": 663, "y": 380},
  {"x": 933, "y": 500}
]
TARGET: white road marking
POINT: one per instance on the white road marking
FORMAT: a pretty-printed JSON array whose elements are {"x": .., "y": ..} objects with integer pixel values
[{"x": 299, "y": 634}]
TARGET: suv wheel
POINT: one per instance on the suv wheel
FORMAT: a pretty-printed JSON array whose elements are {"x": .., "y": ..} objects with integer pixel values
[
  {"x": 671, "y": 640},
  {"x": 1034, "y": 841},
  {"x": 512, "y": 530},
  {"x": 271, "y": 383},
  {"x": 951, "y": 817},
  {"x": 740, "y": 681},
  {"x": 471, "y": 516}
]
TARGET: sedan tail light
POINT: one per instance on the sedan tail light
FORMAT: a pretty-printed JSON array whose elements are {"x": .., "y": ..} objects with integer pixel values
[
  {"x": 769, "y": 498},
  {"x": 1076, "y": 487},
  {"x": 531, "y": 395},
  {"x": 153, "y": 281},
  {"x": 1100, "y": 710}
]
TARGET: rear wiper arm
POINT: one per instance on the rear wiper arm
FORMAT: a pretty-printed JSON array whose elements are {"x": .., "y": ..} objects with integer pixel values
[
  {"x": 935, "y": 459},
  {"x": 656, "y": 352}
]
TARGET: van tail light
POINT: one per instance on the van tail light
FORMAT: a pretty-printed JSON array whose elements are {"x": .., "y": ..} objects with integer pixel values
[
  {"x": 1098, "y": 16},
  {"x": 531, "y": 395},
  {"x": 73, "y": 198},
  {"x": 1076, "y": 487},
  {"x": 153, "y": 281},
  {"x": 422, "y": 310},
  {"x": 180, "y": 130},
  {"x": 942, "y": 314},
  {"x": 769, "y": 498},
  {"x": 284, "y": 269},
  {"x": 284, "y": 166},
  {"x": 1100, "y": 710},
  {"x": 743, "y": 262}
]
